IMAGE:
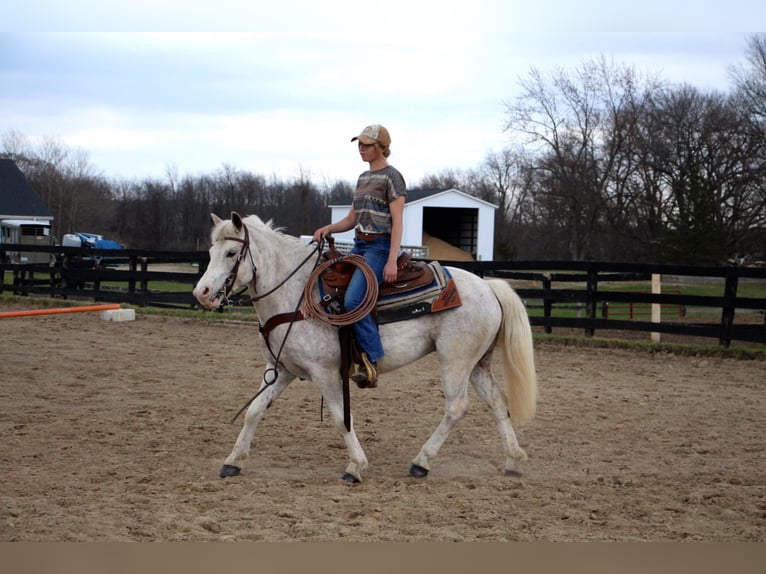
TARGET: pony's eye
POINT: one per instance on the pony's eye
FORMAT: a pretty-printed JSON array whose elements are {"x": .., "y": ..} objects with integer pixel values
[{"x": 231, "y": 253}]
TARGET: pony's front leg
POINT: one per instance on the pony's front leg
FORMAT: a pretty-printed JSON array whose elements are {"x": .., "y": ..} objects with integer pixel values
[
  {"x": 253, "y": 415},
  {"x": 332, "y": 392},
  {"x": 358, "y": 462}
]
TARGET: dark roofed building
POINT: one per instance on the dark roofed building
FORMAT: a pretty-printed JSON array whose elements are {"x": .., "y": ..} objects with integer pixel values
[{"x": 18, "y": 200}]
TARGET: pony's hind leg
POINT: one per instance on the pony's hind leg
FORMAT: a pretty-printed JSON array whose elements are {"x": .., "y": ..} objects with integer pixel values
[
  {"x": 489, "y": 391},
  {"x": 455, "y": 382},
  {"x": 253, "y": 415}
]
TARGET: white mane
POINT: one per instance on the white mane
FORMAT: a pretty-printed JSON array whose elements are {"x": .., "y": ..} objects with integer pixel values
[{"x": 227, "y": 229}]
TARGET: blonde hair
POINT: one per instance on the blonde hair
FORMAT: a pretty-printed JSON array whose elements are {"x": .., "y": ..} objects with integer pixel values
[{"x": 385, "y": 149}]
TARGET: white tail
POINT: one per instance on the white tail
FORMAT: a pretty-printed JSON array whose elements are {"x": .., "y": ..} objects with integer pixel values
[{"x": 518, "y": 357}]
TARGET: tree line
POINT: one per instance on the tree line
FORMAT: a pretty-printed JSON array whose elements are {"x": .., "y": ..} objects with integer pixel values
[{"x": 603, "y": 162}]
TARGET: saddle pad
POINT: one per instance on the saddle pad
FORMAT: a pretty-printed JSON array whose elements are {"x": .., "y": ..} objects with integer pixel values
[{"x": 440, "y": 295}]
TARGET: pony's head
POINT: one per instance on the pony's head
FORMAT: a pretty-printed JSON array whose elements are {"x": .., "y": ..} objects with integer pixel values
[{"x": 230, "y": 264}]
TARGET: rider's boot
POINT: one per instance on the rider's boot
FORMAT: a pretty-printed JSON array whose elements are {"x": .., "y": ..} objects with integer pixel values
[{"x": 366, "y": 375}]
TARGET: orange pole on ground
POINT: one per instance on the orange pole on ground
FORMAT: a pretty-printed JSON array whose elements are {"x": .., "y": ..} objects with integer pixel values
[{"x": 57, "y": 310}]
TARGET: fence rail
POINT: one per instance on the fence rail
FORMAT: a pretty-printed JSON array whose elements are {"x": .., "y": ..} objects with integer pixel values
[{"x": 91, "y": 274}]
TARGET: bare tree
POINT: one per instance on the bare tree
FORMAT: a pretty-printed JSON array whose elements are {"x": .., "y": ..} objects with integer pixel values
[
  {"x": 499, "y": 180},
  {"x": 577, "y": 124},
  {"x": 445, "y": 179},
  {"x": 709, "y": 167},
  {"x": 750, "y": 79},
  {"x": 16, "y": 146}
]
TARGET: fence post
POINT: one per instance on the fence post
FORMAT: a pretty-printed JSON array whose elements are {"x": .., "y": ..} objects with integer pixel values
[
  {"x": 590, "y": 300},
  {"x": 19, "y": 277},
  {"x": 656, "y": 307},
  {"x": 478, "y": 268},
  {"x": 133, "y": 265},
  {"x": 97, "y": 283},
  {"x": 728, "y": 307},
  {"x": 144, "y": 283},
  {"x": 54, "y": 275},
  {"x": 547, "y": 303}
]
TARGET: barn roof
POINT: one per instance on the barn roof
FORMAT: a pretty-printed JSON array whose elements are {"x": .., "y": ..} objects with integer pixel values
[
  {"x": 415, "y": 195},
  {"x": 418, "y": 194},
  {"x": 18, "y": 200}
]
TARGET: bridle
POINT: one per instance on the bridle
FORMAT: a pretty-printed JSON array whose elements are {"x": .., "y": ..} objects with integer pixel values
[{"x": 228, "y": 284}]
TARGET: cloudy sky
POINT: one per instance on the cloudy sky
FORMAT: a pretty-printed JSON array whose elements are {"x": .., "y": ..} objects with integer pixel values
[{"x": 280, "y": 87}]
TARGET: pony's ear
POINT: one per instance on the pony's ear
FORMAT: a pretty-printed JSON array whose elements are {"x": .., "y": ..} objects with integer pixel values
[
  {"x": 215, "y": 218},
  {"x": 236, "y": 220}
]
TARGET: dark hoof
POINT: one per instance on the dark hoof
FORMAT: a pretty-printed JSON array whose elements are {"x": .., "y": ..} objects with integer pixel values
[
  {"x": 512, "y": 473},
  {"x": 363, "y": 382},
  {"x": 418, "y": 471},
  {"x": 228, "y": 470},
  {"x": 349, "y": 478}
]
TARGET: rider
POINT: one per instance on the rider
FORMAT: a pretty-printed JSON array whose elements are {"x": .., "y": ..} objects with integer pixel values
[{"x": 376, "y": 213}]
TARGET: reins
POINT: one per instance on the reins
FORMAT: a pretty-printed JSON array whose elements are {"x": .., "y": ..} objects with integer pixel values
[
  {"x": 273, "y": 370},
  {"x": 291, "y": 317},
  {"x": 311, "y": 309}
]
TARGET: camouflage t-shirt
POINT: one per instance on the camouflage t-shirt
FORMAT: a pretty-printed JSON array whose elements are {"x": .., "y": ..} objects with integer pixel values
[{"x": 374, "y": 191}]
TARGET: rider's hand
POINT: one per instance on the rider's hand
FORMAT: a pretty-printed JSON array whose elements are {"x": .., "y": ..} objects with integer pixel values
[
  {"x": 389, "y": 272},
  {"x": 321, "y": 233}
]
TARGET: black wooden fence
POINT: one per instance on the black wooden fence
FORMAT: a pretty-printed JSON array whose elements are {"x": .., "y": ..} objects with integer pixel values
[
  {"x": 593, "y": 298},
  {"x": 556, "y": 286},
  {"x": 84, "y": 273}
]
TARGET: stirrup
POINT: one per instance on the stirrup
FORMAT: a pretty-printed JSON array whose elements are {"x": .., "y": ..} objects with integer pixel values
[{"x": 366, "y": 375}]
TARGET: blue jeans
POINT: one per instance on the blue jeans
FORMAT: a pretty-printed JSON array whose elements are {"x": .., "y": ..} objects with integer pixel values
[{"x": 375, "y": 253}]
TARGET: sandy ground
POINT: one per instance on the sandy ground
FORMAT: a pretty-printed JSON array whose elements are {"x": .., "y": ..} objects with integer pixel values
[{"x": 116, "y": 431}]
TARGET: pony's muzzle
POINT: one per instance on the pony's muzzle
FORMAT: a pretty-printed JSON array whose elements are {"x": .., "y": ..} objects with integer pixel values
[{"x": 206, "y": 297}]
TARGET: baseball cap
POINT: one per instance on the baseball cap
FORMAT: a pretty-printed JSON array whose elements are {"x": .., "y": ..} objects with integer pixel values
[{"x": 372, "y": 134}]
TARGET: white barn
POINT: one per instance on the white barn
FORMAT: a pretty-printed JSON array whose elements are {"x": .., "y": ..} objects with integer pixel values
[{"x": 452, "y": 216}]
